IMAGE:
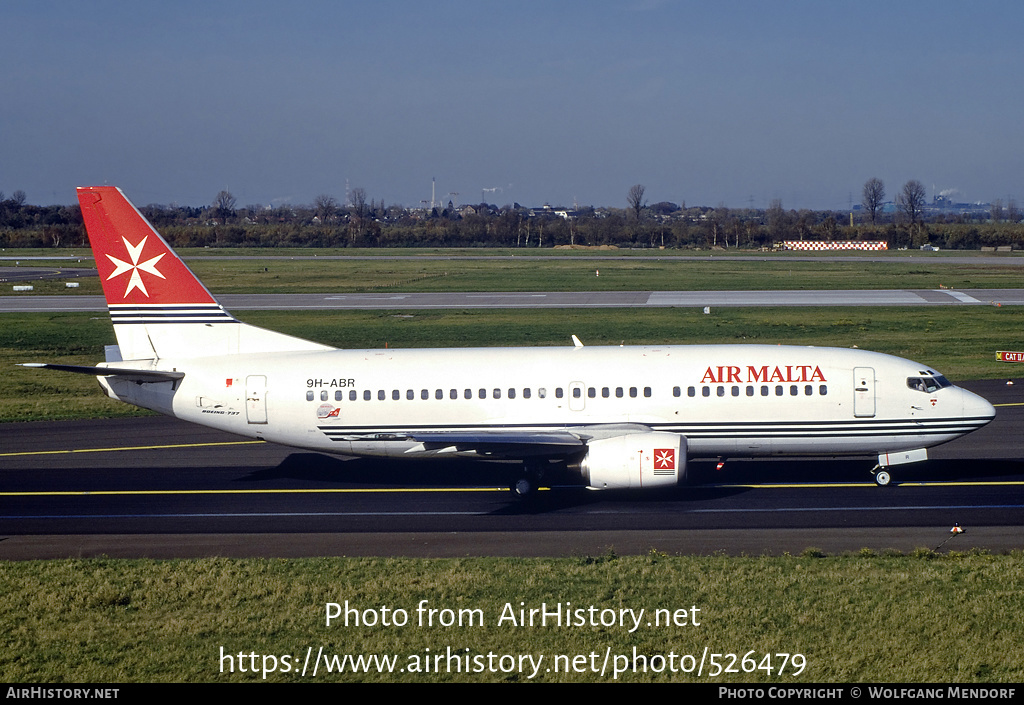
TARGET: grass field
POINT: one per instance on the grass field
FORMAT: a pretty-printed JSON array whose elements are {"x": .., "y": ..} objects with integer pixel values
[{"x": 565, "y": 272}]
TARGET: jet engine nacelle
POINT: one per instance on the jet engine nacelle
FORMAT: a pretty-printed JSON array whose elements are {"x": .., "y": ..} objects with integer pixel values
[{"x": 635, "y": 460}]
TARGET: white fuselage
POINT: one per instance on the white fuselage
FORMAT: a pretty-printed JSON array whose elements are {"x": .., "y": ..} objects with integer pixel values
[{"x": 727, "y": 400}]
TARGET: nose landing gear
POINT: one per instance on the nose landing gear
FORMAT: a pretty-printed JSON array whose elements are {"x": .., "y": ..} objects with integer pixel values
[{"x": 882, "y": 476}]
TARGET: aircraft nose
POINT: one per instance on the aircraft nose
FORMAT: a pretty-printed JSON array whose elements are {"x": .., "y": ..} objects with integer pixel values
[{"x": 977, "y": 407}]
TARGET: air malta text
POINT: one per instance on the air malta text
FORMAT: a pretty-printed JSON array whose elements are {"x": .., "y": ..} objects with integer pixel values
[{"x": 723, "y": 374}]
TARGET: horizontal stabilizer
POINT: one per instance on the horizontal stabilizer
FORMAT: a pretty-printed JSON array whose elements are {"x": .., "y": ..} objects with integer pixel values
[{"x": 122, "y": 372}]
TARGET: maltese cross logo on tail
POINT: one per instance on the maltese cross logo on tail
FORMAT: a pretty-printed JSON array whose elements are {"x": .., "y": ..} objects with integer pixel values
[{"x": 135, "y": 253}]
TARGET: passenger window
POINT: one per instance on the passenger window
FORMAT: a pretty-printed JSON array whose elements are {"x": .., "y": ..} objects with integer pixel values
[
  {"x": 323, "y": 396},
  {"x": 511, "y": 392},
  {"x": 632, "y": 392},
  {"x": 453, "y": 393},
  {"x": 542, "y": 393},
  {"x": 778, "y": 390},
  {"x": 558, "y": 392},
  {"x": 750, "y": 390},
  {"x": 497, "y": 393},
  {"x": 309, "y": 396},
  {"x": 691, "y": 391},
  {"x": 439, "y": 394},
  {"x": 577, "y": 392},
  {"x": 823, "y": 390},
  {"x": 721, "y": 391},
  {"x": 337, "y": 395},
  {"x": 706, "y": 391},
  {"x": 409, "y": 394},
  {"x": 793, "y": 390},
  {"x": 381, "y": 395},
  {"x": 366, "y": 394},
  {"x": 618, "y": 392},
  {"x": 482, "y": 393},
  {"x": 592, "y": 392},
  {"x": 468, "y": 394},
  {"x": 808, "y": 390},
  {"x": 352, "y": 395},
  {"x": 526, "y": 393},
  {"x": 396, "y": 395},
  {"x": 735, "y": 391},
  {"x": 764, "y": 390},
  {"x": 647, "y": 391}
]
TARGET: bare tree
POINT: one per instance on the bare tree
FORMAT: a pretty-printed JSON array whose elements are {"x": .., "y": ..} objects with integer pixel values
[
  {"x": 224, "y": 205},
  {"x": 911, "y": 200},
  {"x": 19, "y": 197},
  {"x": 635, "y": 198},
  {"x": 1012, "y": 214},
  {"x": 358, "y": 196},
  {"x": 778, "y": 222},
  {"x": 872, "y": 197},
  {"x": 997, "y": 210},
  {"x": 358, "y": 212},
  {"x": 325, "y": 207},
  {"x": 718, "y": 219}
]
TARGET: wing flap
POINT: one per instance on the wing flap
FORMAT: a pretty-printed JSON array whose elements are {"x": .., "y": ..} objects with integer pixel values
[{"x": 515, "y": 444}]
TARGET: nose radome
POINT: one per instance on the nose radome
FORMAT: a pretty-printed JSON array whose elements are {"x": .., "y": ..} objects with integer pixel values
[{"x": 977, "y": 407}]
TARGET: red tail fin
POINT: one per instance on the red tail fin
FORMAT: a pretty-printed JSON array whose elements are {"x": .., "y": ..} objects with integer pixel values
[
  {"x": 135, "y": 264},
  {"x": 157, "y": 305}
]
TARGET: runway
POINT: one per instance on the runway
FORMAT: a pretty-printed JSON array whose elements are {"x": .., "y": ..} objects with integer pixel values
[
  {"x": 558, "y": 299},
  {"x": 157, "y": 487},
  {"x": 25, "y": 274}
]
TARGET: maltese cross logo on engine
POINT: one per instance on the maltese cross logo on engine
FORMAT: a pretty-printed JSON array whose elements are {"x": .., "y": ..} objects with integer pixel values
[
  {"x": 135, "y": 280},
  {"x": 665, "y": 458}
]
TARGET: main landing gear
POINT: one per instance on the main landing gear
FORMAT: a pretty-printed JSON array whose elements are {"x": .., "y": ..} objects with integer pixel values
[{"x": 525, "y": 486}]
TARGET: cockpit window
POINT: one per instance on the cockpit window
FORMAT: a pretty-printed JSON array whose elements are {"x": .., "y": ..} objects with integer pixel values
[{"x": 928, "y": 384}]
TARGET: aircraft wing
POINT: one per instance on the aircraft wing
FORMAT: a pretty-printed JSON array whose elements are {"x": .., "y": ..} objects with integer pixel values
[
  {"x": 508, "y": 443},
  {"x": 126, "y": 373}
]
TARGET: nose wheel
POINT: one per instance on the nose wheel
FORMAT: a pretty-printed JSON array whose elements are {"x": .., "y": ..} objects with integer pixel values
[{"x": 882, "y": 476}]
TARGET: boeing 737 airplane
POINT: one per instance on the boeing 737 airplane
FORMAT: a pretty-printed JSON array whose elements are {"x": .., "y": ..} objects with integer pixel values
[{"x": 618, "y": 416}]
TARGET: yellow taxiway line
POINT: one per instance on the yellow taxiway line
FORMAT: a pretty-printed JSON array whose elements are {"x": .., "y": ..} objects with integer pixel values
[
  {"x": 363, "y": 490},
  {"x": 113, "y": 450}
]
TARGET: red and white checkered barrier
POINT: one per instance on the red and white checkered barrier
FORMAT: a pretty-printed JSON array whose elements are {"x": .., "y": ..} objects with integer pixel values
[{"x": 840, "y": 245}]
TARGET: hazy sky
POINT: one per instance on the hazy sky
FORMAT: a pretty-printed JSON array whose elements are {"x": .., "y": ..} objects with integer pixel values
[{"x": 733, "y": 103}]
